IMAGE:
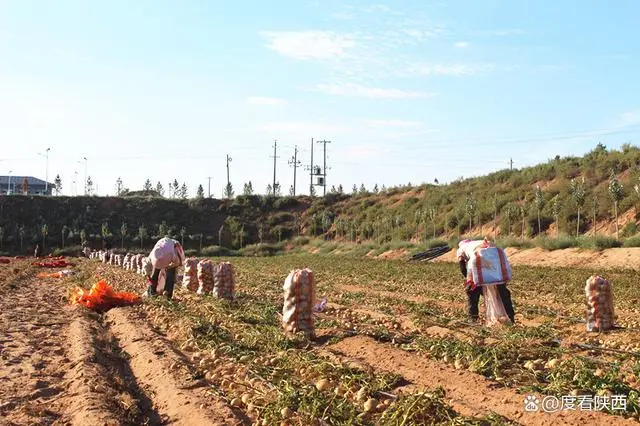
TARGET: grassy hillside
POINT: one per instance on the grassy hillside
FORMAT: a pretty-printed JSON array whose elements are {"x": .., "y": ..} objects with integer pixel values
[{"x": 540, "y": 201}]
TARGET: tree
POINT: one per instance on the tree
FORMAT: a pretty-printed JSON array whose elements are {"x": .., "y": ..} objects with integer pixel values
[
  {"x": 556, "y": 207},
  {"x": 495, "y": 213},
  {"x": 248, "y": 189},
  {"x": 1, "y": 235},
  {"x": 276, "y": 189},
  {"x": 354, "y": 190},
  {"x": 594, "y": 210},
  {"x": 312, "y": 191},
  {"x": 89, "y": 186},
  {"x": 577, "y": 191},
  {"x": 333, "y": 190},
  {"x": 25, "y": 186},
  {"x": 375, "y": 188},
  {"x": 431, "y": 214},
  {"x": 228, "y": 190},
  {"x": 163, "y": 230},
  {"x": 123, "y": 233},
  {"x": 470, "y": 206},
  {"x": 363, "y": 189},
  {"x": 523, "y": 214},
  {"x": 147, "y": 185},
  {"x": 183, "y": 232},
  {"x": 83, "y": 235},
  {"x": 636, "y": 188},
  {"x": 105, "y": 231},
  {"x": 45, "y": 231},
  {"x": 269, "y": 189},
  {"x": 616, "y": 190},
  {"x": 539, "y": 201},
  {"x": 340, "y": 189},
  {"x": 159, "y": 189},
  {"x": 510, "y": 213},
  {"x": 57, "y": 184},
  {"x": 184, "y": 191},
  {"x": 200, "y": 192},
  {"x": 21, "y": 236},
  {"x": 119, "y": 187},
  {"x": 175, "y": 188},
  {"x": 142, "y": 233},
  {"x": 291, "y": 191},
  {"x": 64, "y": 232}
]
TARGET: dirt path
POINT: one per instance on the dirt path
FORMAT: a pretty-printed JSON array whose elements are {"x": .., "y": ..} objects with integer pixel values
[
  {"x": 468, "y": 393},
  {"x": 62, "y": 364}
]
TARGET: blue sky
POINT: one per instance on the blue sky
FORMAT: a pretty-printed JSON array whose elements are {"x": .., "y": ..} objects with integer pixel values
[{"x": 406, "y": 91}]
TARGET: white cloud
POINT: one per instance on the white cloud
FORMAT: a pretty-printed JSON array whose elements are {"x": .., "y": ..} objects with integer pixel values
[
  {"x": 392, "y": 123},
  {"x": 461, "y": 44},
  {"x": 630, "y": 118},
  {"x": 357, "y": 90},
  {"x": 317, "y": 45},
  {"x": 258, "y": 100},
  {"x": 456, "y": 70}
]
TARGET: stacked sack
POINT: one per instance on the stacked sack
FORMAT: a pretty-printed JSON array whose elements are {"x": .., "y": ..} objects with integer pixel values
[
  {"x": 600, "y": 314},
  {"x": 223, "y": 281},
  {"x": 299, "y": 294},
  {"x": 205, "y": 277},
  {"x": 147, "y": 267},
  {"x": 118, "y": 260},
  {"x": 190, "y": 279}
]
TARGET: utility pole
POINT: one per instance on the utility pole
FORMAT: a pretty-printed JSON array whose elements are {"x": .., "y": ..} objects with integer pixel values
[
  {"x": 295, "y": 164},
  {"x": 324, "y": 167},
  {"x": 275, "y": 150},
  {"x": 511, "y": 164},
  {"x": 228, "y": 159},
  {"x": 209, "y": 188},
  {"x": 311, "y": 171}
]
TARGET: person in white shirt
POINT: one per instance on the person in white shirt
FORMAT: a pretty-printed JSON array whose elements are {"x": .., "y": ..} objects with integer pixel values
[
  {"x": 466, "y": 250},
  {"x": 166, "y": 255}
]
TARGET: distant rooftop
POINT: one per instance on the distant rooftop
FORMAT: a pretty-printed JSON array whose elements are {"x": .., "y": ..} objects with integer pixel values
[{"x": 4, "y": 180}]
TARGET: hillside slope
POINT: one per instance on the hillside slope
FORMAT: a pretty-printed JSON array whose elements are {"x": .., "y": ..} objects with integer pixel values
[{"x": 408, "y": 213}]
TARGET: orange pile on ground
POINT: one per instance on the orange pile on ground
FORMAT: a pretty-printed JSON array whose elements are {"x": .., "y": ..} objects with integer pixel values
[{"x": 102, "y": 297}]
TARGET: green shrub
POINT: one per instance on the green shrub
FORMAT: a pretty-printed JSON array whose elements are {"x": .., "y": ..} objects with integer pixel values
[
  {"x": 559, "y": 243},
  {"x": 632, "y": 242},
  {"x": 630, "y": 230},
  {"x": 217, "y": 251},
  {"x": 514, "y": 242},
  {"x": 598, "y": 243},
  {"x": 431, "y": 243}
]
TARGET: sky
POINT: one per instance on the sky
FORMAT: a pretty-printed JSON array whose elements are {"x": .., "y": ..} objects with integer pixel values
[{"x": 405, "y": 91}]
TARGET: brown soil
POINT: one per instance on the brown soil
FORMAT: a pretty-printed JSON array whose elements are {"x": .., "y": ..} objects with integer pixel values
[
  {"x": 62, "y": 364},
  {"x": 468, "y": 393}
]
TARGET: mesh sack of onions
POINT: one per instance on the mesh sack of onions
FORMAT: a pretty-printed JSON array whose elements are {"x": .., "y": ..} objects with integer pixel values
[{"x": 600, "y": 312}]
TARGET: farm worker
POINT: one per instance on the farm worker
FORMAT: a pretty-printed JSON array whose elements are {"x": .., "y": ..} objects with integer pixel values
[
  {"x": 165, "y": 258},
  {"x": 86, "y": 251},
  {"x": 466, "y": 251}
]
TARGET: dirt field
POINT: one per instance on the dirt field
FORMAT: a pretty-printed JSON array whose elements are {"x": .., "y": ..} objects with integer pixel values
[{"x": 394, "y": 346}]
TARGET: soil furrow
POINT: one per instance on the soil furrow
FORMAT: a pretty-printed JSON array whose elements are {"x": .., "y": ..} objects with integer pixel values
[{"x": 177, "y": 396}]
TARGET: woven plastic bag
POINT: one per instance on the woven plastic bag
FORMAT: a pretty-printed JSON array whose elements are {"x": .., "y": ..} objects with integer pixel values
[
  {"x": 223, "y": 281},
  {"x": 205, "y": 277},
  {"x": 147, "y": 267},
  {"x": 600, "y": 312},
  {"x": 495, "y": 312},
  {"x": 190, "y": 279},
  {"x": 299, "y": 296}
]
